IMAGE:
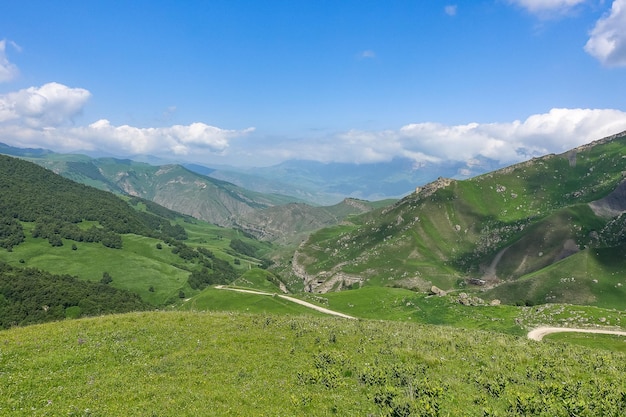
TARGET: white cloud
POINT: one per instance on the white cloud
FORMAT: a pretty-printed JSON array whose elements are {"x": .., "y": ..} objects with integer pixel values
[
  {"x": 554, "y": 132},
  {"x": 42, "y": 117},
  {"x": 52, "y": 104},
  {"x": 177, "y": 139},
  {"x": 607, "y": 42},
  {"x": 8, "y": 71},
  {"x": 548, "y": 8},
  {"x": 450, "y": 9}
]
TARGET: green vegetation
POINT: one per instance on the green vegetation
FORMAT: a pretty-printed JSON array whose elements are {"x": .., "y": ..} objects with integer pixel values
[
  {"x": 29, "y": 296},
  {"x": 224, "y": 300},
  {"x": 64, "y": 228},
  {"x": 514, "y": 227},
  {"x": 608, "y": 342},
  {"x": 190, "y": 364}
]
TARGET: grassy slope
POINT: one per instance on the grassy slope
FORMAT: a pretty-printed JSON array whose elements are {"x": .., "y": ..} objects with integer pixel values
[
  {"x": 190, "y": 364},
  {"x": 457, "y": 231},
  {"x": 136, "y": 267}
]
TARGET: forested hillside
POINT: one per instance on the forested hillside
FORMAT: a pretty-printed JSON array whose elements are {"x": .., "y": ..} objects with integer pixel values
[
  {"x": 56, "y": 205},
  {"x": 29, "y": 296}
]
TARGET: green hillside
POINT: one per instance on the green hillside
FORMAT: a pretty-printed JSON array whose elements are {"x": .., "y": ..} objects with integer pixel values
[
  {"x": 171, "y": 186},
  {"x": 57, "y": 227},
  {"x": 191, "y": 364},
  {"x": 499, "y": 227}
]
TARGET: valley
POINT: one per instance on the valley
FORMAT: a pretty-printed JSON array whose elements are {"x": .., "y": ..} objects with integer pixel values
[{"x": 422, "y": 305}]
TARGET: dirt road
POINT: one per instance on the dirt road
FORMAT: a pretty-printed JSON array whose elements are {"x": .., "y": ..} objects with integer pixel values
[
  {"x": 293, "y": 300},
  {"x": 540, "y": 332}
]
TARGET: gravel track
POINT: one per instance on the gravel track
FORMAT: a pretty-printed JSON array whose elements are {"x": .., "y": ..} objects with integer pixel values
[
  {"x": 293, "y": 300},
  {"x": 540, "y": 332}
]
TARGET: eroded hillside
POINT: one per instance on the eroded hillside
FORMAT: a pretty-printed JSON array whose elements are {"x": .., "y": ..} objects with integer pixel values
[{"x": 493, "y": 229}]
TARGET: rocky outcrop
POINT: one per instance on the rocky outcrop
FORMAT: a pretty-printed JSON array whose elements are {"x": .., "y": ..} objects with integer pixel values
[
  {"x": 430, "y": 188},
  {"x": 613, "y": 204}
]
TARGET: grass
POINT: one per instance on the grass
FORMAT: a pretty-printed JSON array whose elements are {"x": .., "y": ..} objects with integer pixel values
[
  {"x": 613, "y": 343},
  {"x": 157, "y": 275},
  {"x": 190, "y": 364},
  {"x": 212, "y": 299},
  {"x": 538, "y": 211},
  {"x": 136, "y": 267}
]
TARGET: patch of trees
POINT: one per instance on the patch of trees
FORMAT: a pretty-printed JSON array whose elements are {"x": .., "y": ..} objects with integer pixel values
[
  {"x": 242, "y": 247},
  {"x": 219, "y": 272},
  {"x": 11, "y": 233},
  {"x": 29, "y": 296},
  {"x": 55, "y": 231},
  {"x": 213, "y": 270}
]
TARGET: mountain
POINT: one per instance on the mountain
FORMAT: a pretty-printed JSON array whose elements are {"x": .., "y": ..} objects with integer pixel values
[
  {"x": 171, "y": 186},
  {"x": 550, "y": 229},
  {"x": 269, "y": 216},
  {"x": 292, "y": 222},
  {"x": 329, "y": 183}
]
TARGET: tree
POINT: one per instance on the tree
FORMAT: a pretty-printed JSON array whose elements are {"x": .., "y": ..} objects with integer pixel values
[{"x": 106, "y": 278}]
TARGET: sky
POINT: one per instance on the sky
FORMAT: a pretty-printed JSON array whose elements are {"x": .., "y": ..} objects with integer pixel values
[{"x": 254, "y": 83}]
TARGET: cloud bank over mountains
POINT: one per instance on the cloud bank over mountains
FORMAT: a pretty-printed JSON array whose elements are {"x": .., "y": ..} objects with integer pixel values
[
  {"x": 540, "y": 134},
  {"x": 46, "y": 116}
]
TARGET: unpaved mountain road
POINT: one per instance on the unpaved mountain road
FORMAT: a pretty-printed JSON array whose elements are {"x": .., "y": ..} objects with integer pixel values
[
  {"x": 540, "y": 332},
  {"x": 292, "y": 299}
]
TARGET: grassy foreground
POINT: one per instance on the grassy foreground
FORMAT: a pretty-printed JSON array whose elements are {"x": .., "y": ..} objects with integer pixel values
[{"x": 191, "y": 364}]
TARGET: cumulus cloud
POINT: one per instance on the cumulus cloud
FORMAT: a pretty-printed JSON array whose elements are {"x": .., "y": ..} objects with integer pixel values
[
  {"x": 509, "y": 142},
  {"x": 52, "y": 104},
  {"x": 43, "y": 117},
  {"x": 177, "y": 139},
  {"x": 607, "y": 41},
  {"x": 8, "y": 71},
  {"x": 548, "y": 8}
]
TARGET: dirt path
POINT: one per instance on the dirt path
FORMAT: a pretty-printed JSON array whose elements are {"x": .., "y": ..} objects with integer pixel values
[
  {"x": 540, "y": 332},
  {"x": 292, "y": 299}
]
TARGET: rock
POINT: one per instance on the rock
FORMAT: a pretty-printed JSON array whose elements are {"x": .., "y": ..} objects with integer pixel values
[
  {"x": 495, "y": 302},
  {"x": 437, "y": 291}
]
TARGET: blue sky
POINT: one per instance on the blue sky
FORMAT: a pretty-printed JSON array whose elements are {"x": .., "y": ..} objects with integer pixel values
[{"x": 257, "y": 82}]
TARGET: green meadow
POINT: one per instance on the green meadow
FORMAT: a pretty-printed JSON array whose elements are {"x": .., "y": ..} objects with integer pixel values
[{"x": 191, "y": 364}]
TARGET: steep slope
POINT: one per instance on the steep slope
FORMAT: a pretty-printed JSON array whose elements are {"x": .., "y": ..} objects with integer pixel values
[
  {"x": 487, "y": 230},
  {"x": 267, "y": 216},
  {"x": 291, "y": 222},
  {"x": 171, "y": 186}
]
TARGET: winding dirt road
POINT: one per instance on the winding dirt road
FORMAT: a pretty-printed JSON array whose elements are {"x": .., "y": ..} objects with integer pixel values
[
  {"x": 540, "y": 332},
  {"x": 292, "y": 299}
]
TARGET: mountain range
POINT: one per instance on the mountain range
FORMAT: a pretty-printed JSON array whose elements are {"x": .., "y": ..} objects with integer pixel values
[{"x": 551, "y": 229}]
